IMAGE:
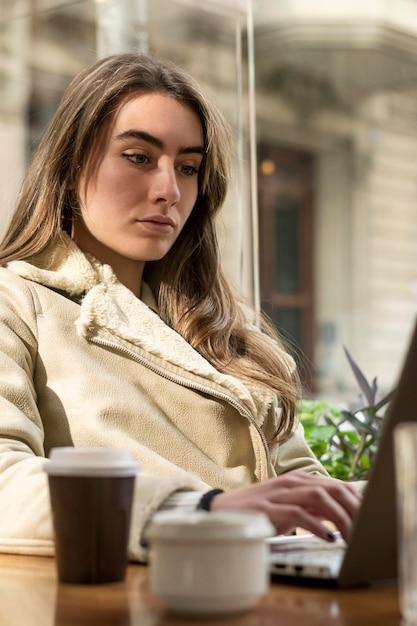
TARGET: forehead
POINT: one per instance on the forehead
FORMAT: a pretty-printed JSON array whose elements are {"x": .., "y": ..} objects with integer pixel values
[{"x": 158, "y": 114}]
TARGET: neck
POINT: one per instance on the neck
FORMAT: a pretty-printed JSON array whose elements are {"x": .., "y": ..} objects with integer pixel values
[
  {"x": 130, "y": 277},
  {"x": 128, "y": 271}
]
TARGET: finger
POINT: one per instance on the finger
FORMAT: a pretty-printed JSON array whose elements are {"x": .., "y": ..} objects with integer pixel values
[
  {"x": 355, "y": 489},
  {"x": 344, "y": 493},
  {"x": 319, "y": 505},
  {"x": 287, "y": 517},
  {"x": 347, "y": 497}
]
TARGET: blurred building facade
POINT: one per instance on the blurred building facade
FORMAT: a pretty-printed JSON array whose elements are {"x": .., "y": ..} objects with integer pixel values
[
  {"x": 320, "y": 226},
  {"x": 336, "y": 103}
]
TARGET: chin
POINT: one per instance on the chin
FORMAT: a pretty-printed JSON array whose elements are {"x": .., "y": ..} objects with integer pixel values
[{"x": 154, "y": 255}]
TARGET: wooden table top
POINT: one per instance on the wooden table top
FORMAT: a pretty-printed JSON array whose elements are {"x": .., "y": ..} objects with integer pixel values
[{"x": 31, "y": 596}]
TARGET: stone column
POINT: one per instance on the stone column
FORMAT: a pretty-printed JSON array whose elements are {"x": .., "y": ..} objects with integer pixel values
[{"x": 14, "y": 88}]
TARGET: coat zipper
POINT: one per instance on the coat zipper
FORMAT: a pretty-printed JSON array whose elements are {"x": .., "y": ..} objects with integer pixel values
[{"x": 185, "y": 383}]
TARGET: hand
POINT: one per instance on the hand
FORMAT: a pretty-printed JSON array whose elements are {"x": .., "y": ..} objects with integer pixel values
[{"x": 297, "y": 499}]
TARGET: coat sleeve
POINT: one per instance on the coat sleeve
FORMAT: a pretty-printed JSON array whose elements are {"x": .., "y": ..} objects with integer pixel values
[
  {"x": 295, "y": 454},
  {"x": 25, "y": 524},
  {"x": 25, "y": 520}
]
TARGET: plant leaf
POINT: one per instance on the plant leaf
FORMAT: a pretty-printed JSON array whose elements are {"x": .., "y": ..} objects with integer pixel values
[
  {"x": 372, "y": 411},
  {"x": 358, "y": 404},
  {"x": 368, "y": 391},
  {"x": 374, "y": 388},
  {"x": 358, "y": 424},
  {"x": 385, "y": 400}
]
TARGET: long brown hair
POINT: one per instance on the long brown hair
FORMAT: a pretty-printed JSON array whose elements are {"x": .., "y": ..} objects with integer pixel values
[{"x": 193, "y": 294}]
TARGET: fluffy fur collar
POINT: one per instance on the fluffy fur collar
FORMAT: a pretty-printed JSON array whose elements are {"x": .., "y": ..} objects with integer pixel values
[{"x": 109, "y": 304}]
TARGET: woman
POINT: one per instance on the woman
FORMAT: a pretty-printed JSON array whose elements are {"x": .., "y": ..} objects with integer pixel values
[{"x": 118, "y": 327}]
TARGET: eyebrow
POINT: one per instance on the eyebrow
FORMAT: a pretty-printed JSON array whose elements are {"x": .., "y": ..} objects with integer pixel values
[{"x": 157, "y": 143}]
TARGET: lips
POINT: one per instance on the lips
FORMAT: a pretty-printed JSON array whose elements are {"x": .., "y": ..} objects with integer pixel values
[
  {"x": 159, "y": 219},
  {"x": 159, "y": 225}
]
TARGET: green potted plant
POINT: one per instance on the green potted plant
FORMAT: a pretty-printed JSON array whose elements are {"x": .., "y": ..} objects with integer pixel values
[{"x": 345, "y": 439}]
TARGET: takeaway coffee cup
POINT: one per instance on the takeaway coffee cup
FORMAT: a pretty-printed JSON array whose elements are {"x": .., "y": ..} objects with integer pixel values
[{"x": 91, "y": 492}]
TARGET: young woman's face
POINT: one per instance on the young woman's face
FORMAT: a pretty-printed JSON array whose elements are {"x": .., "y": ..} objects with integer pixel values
[{"x": 143, "y": 185}]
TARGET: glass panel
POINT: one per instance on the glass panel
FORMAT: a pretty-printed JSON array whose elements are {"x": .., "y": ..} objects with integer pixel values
[
  {"x": 338, "y": 79},
  {"x": 209, "y": 40},
  {"x": 286, "y": 245},
  {"x": 43, "y": 44},
  {"x": 62, "y": 41},
  {"x": 288, "y": 324}
]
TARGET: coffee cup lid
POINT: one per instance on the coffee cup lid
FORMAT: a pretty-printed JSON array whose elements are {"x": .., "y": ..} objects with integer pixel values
[{"x": 77, "y": 461}]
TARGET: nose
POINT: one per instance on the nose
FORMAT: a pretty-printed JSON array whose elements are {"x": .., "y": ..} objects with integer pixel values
[{"x": 164, "y": 189}]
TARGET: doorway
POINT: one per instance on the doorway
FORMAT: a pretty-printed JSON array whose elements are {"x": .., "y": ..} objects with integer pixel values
[{"x": 286, "y": 231}]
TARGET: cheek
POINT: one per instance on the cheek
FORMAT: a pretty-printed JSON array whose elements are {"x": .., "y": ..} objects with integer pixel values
[
  {"x": 188, "y": 213},
  {"x": 109, "y": 185},
  {"x": 187, "y": 210},
  {"x": 110, "y": 177},
  {"x": 107, "y": 194},
  {"x": 189, "y": 198}
]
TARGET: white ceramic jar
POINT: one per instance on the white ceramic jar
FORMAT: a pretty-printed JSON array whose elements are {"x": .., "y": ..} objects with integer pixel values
[{"x": 209, "y": 562}]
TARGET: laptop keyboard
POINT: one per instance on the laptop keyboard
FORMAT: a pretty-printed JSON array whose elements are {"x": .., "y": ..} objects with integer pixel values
[{"x": 306, "y": 556}]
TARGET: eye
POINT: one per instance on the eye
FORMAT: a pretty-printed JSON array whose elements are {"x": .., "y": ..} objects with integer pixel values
[
  {"x": 137, "y": 159},
  {"x": 188, "y": 170}
]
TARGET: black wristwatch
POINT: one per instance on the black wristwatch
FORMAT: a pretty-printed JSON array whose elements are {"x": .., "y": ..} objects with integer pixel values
[{"x": 205, "y": 501}]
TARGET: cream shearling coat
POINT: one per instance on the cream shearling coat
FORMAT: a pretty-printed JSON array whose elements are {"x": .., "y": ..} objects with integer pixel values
[{"x": 98, "y": 367}]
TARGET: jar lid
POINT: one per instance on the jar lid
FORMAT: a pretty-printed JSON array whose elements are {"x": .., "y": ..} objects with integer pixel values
[{"x": 210, "y": 525}]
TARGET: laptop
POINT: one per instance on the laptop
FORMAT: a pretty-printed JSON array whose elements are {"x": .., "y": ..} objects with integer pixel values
[{"x": 370, "y": 557}]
